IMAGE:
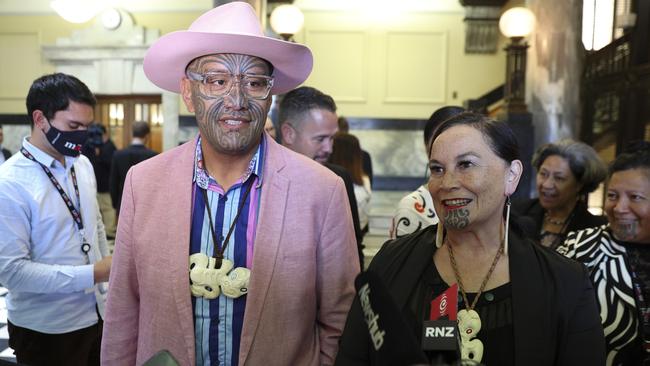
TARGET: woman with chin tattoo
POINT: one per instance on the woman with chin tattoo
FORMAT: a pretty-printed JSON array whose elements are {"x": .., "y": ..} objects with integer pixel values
[
  {"x": 518, "y": 303},
  {"x": 567, "y": 171},
  {"x": 618, "y": 257}
]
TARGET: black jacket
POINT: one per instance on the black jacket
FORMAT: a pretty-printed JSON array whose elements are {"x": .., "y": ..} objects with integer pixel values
[
  {"x": 123, "y": 160},
  {"x": 101, "y": 163},
  {"x": 349, "y": 188},
  {"x": 555, "y": 316},
  {"x": 531, "y": 212},
  {"x": 6, "y": 153}
]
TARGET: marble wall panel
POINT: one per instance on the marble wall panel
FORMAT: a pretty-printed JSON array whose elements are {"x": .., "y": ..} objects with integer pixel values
[
  {"x": 397, "y": 153},
  {"x": 13, "y": 136}
]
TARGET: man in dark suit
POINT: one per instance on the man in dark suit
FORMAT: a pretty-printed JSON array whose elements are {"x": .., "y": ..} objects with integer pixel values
[
  {"x": 308, "y": 123},
  {"x": 99, "y": 149},
  {"x": 124, "y": 159},
  {"x": 6, "y": 154}
]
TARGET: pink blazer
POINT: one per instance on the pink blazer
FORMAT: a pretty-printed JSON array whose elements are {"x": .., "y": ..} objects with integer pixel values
[{"x": 302, "y": 280}]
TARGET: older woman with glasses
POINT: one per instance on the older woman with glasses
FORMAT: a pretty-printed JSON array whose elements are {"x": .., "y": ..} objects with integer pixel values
[
  {"x": 618, "y": 257},
  {"x": 566, "y": 172},
  {"x": 519, "y": 304}
]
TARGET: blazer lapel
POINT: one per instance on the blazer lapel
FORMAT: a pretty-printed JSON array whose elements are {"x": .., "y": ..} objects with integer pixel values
[
  {"x": 275, "y": 190},
  {"x": 180, "y": 207},
  {"x": 530, "y": 306}
]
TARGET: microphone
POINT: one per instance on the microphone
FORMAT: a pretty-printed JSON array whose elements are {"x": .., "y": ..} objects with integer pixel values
[
  {"x": 391, "y": 338},
  {"x": 440, "y": 338}
]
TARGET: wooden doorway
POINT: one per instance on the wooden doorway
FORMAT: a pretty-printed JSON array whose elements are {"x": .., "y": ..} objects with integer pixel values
[{"x": 118, "y": 112}]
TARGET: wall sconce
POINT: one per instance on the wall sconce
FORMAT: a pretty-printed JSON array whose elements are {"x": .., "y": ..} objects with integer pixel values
[
  {"x": 287, "y": 20},
  {"x": 516, "y": 23},
  {"x": 76, "y": 11},
  {"x": 111, "y": 18}
]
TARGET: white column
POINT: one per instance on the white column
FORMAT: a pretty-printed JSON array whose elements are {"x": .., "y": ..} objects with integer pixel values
[{"x": 170, "y": 105}]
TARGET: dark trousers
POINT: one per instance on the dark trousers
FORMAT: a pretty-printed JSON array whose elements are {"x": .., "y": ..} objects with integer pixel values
[{"x": 78, "y": 348}]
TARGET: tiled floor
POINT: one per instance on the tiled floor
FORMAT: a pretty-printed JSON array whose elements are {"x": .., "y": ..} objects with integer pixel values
[{"x": 6, "y": 353}]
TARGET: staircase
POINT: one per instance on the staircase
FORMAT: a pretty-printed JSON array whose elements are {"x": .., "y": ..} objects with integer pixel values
[{"x": 382, "y": 208}]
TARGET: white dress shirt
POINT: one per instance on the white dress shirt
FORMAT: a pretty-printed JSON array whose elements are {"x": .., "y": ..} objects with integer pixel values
[
  {"x": 50, "y": 280},
  {"x": 363, "y": 193}
]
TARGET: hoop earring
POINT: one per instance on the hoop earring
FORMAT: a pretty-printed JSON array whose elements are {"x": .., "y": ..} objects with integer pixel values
[
  {"x": 505, "y": 241},
  {"x": 439, "y": 234}
]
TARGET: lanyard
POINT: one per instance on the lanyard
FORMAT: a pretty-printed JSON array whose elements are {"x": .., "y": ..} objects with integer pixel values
[
  {"x": 218, "y": 253},
  {"x": 76, "y": 215}
]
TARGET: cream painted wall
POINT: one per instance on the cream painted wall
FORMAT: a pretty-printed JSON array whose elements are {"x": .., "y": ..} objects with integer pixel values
[
  {"x": 395, "y": 64},
  {"x": 21, "y": 38}
]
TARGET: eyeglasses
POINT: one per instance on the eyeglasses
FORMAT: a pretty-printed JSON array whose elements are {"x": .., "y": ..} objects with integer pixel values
[{"x": 220, "y": 84}]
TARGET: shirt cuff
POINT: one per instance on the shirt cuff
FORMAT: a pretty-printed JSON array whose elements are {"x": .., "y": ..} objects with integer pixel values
[{"x": 83, "y": 277}]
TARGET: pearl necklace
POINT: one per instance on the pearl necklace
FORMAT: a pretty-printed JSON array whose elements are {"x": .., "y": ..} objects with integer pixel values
[{"x": 548, "y": 219}]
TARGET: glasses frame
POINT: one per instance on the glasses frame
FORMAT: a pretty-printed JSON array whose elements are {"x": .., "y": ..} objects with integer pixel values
[{"x": 195, "y": 76}]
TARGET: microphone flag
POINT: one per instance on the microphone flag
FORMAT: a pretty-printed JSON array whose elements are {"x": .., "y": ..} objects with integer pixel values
[
  {"x": 445, "y": 305},
  {"x": 392, "y": 340}
]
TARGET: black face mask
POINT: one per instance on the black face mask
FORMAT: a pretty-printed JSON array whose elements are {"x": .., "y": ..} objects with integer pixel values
[{"x": 68, "y": 143}]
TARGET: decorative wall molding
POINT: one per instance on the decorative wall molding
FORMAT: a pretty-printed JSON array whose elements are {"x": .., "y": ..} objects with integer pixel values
[
  {"x": 352, "y": 46},
  {"x": 424, "y": 81},
  {"x": 110, "y": 62}
]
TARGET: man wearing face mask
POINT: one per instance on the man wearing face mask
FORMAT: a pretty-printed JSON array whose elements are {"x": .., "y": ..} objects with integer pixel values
[{"x": 53, "y": 252}]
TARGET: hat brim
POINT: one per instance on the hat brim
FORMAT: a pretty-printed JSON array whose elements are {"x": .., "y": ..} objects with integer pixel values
[{"x": 166, "y": 60}]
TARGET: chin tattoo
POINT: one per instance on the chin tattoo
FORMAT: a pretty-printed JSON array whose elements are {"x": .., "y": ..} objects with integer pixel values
[
  {"x": 457, "y": 219},
  {"x": 627, "y": 232}
]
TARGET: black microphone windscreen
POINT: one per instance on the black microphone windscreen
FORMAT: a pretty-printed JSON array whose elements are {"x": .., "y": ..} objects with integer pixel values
[{"x": 390, "y": 336}]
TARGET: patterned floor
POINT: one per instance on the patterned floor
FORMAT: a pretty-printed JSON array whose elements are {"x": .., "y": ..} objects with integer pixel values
[{"x": 6, "y": 353}]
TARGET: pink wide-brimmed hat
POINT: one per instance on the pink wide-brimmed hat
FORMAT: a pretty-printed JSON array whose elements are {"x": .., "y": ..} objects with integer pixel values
[{"x": 229, "y": 28}]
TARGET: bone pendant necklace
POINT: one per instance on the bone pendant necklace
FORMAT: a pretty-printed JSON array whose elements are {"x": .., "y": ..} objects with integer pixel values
[
  {"x": 469, "y": 322},
  {"x": 212, "y": 276}
]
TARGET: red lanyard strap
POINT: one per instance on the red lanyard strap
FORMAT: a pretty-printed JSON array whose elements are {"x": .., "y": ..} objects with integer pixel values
[{"x": 76, "y": 215}]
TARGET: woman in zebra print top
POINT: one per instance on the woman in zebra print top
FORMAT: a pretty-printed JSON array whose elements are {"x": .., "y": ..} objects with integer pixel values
[{"x": 618, "y": 257}]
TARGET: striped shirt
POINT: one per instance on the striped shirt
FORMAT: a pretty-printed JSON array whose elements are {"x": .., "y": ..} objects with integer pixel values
[{"x": 218, "y": 322}]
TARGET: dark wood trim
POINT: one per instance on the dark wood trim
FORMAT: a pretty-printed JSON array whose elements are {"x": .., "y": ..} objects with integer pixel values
[
  {"x": 120, "y": 98},
  {"x": 392, "y": 183},
  {"x": 14, "y": 119},
  {"x": 187, "y": 121},
  {"x": 498, "y": 3},
  {"x": 356, "y": 123}
]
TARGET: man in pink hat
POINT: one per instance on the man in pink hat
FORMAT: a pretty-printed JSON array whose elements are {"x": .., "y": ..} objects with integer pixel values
[{"x": 230, "y": 249}]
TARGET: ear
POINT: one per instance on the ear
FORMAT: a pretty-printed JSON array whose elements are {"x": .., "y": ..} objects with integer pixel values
[
  {"x": 513, "y": 175},
  {"x": 186, "y": 93},
  {"x": 288, "y": 133},
  {"x": 39, "y": 119}
]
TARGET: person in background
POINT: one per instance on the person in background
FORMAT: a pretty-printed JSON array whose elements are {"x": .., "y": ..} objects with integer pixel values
[
  {"x": 344, "y": 127},
  {"x": 618, "y": 258},
  {"x": 270, "y": 128},
  {"x": 567, "y": 171},
  {"x": 53, "y": 252},
  {"x": 308, "y": 124},
  {"x": 6, "y": 154},
  {"x": 99, "y": 149},
  {"x": 230, "y": 249},
  {"x": 415, "y": 211},
  {"x": 124, "y": 159},
  {"x": 346, "y": 152},
  {"x": 519, "y": 303}
]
